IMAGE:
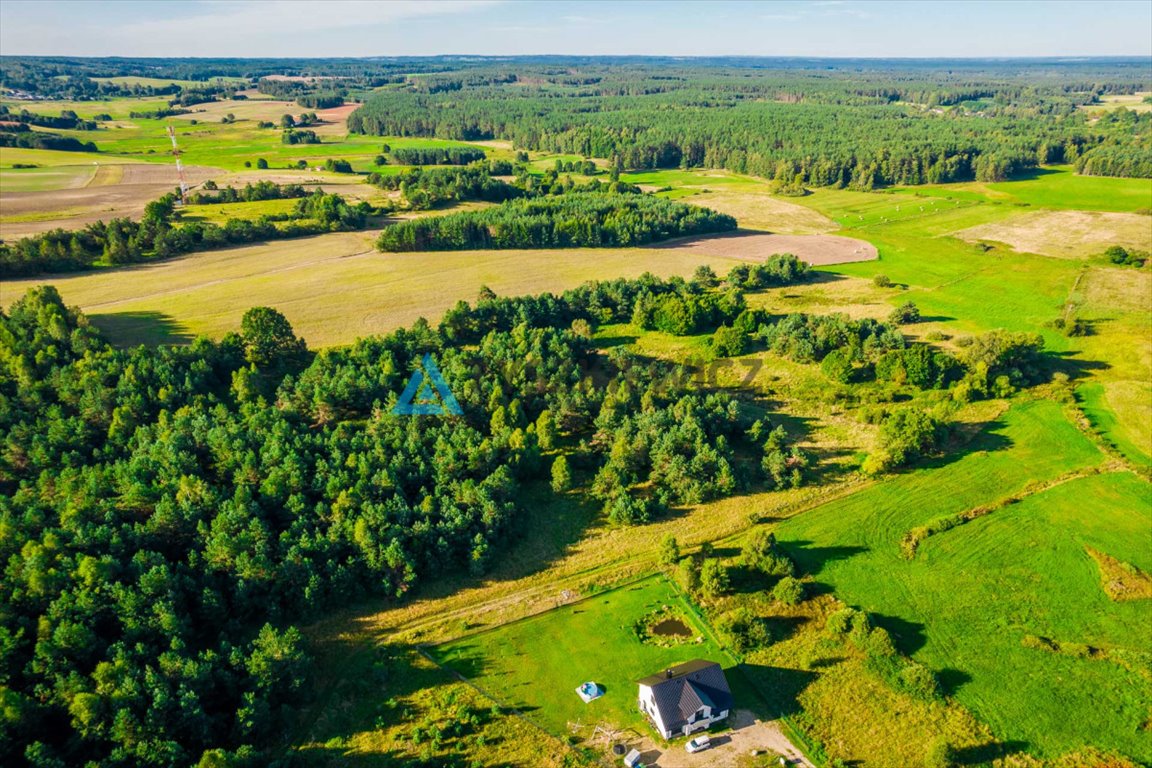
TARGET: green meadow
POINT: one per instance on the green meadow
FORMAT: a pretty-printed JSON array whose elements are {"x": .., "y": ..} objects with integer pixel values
[
  {"x": 535, "y": 665},
  {"x": 962, "y": 287},
  {"x": 1056, "y": 187},
  {"x": 967, "y": 601}
]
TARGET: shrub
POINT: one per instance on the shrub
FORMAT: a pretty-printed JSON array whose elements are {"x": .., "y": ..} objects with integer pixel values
[
  {"x": 626, "y": 509},
  {"x": 882, "y": 281},
  {"x": 669, "y": 550},
  {"x": 919, "y": 681},
  {"x": 906, "y": 434},
  {"x": 940, "y": 755},
  {"x": 729, "y": 342},
  {"x": 688, "y": 575},
  {"x": 762, "y": 553},
  {"x": 837, "y": 366},
  {"x": 789, "y": 591},
  {"x": 906, "y": 314},
  {"x": 840, "y": 622},
  {"x": 714, "y": 579},
  {"x": 744, "y": 630}
]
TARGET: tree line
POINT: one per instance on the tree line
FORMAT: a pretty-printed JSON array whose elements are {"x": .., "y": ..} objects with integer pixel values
[
  {"x": 437, "y": 155},
  {"x": 159, "y": 235},
  {"x": 66, "y": 120},
  {"x": 567, "y": 221},
  {"x": 26, "y": 139},
  {"x": 250, "y": 193},
  {"x": 423, "y": 188}
]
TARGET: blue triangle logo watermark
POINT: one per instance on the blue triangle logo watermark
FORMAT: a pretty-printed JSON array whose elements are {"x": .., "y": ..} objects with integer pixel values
[{"x": 427, "y": 394}]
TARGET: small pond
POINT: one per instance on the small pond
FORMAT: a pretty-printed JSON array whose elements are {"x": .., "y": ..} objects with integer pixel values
[{"x": 670, "y": 628}]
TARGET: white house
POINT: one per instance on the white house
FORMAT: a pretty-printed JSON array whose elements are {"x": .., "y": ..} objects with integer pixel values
[{"x": 685, "y": 698}]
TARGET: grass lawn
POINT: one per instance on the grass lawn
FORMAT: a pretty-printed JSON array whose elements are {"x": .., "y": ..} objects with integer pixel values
[
  {"x": 536, "y": 664},
  {"x": 964, "y": 604}
]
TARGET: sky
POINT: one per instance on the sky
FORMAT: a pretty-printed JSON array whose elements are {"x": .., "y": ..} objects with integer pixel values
[{"x": 826, "y": 28}]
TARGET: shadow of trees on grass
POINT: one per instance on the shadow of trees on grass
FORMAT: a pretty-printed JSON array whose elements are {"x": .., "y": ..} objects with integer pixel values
[{"x": 128, "y": 329}]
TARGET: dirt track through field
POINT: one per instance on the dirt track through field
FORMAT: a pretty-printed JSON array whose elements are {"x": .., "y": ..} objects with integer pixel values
[
  {"x": 817, "y": 250},
  {"x": 115, "y": 191}
]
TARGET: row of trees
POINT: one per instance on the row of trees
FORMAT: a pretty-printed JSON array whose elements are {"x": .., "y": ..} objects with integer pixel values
[
  {"x": 158, "y": 235},
  {"x": 296, "y": 136},
  {"x": 423, "y": 188},
  {"x": 27, "y": 139},
  {"x": 250, "y": 193},
  {"x": 437, "y": 155},
  {"x": 66, "y": 120},
  {"x": 567, "y": 221}
]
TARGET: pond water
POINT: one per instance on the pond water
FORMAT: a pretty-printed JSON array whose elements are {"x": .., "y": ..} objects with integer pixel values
[{"x": 670, "y": 628}]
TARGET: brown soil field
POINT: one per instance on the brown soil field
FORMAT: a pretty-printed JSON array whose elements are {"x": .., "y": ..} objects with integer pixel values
[
  {"x": 1066, "y": 234},
  {"x": 114, "y": 191},
  {"x": 335, "y": 120},
  {"x": 756, "y": 210},
  {"x": 817, "y": 250}
]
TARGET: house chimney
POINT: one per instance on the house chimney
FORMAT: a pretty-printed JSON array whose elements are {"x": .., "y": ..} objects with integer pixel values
[{"x": 668, "y": 672}]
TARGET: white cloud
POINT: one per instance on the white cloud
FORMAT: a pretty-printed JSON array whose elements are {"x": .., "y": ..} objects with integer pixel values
[{"x": 230, "y": 27}]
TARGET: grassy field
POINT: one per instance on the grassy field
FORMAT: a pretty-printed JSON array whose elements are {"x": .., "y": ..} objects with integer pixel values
[
  {"x": 53, "y": 171},
  {"x": 394, "y": 694},
  {"x": 1055, "y": 187},
  {"x": 333, "y": 288},
  {"x": 536, "y": 664},
  {"x": 961, "y": 287},
  {"x": 220, "y": 213},
  {"x": 206, "y": 140},
  {"x": 1066, "y": 234},
  {"x": 1133, "y": 101},
  {"x": 966, "y": 602}
]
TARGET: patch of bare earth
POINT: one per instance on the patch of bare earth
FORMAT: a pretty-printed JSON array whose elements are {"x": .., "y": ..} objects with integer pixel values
[
  {"x": 1121, "y": 581},
  {"x": 817, "y": 250},
  {"x": 1066, "y": 234},
  {"x": 113, "y": 193},
  {"x": 748, "y": 736},
  {"x": 334, "y": 122}
]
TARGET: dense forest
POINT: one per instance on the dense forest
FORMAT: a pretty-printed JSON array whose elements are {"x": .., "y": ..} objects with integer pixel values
[
  {"x": 568, "y": 221},
  {"x": 797, "y": 126},
  {"x": 159, "y": 234},
  {"x": 169, "y": 512}
]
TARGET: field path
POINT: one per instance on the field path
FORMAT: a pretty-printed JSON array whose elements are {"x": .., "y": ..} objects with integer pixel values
[{"x": 749, "y": 245}]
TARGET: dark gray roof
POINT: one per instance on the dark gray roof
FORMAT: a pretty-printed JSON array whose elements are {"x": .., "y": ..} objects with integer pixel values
[{"x": 685, "y": 688}]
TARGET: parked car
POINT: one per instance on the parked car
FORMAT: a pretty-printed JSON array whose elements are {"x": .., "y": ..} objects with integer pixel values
[{"x": 698, "y": 744}]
